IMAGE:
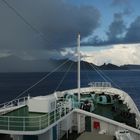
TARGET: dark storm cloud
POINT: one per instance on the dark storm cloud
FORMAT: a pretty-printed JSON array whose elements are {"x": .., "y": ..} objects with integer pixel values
[
  {"x": 116, "y": 28},
  {"x": 127, "y": 11},
  {"x": 120, "y": 2},
  {"x": 57, "y": 21},
  {"x": 35, "y": 30},
  {"x": 133, "y": 32},
  {"x": 118, "y": 32},
  {"x": 114, "y": 34},
  {"x": 125, "y": 5},
  {"x": 14, "y": 33}
]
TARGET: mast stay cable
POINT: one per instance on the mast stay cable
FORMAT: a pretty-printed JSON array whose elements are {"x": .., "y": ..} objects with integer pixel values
[
  {"x": 41, "y": 34},
  {"x": 87, "y": 75},
  {"x": 42, "y": 79},
  {"x": 45, "y": 39},
  {"x": 104, "y": 76},
  {"x": 64, "y": 76},
  {"x": 107, "y": 77},
  {"x": 98, "y": 72}
]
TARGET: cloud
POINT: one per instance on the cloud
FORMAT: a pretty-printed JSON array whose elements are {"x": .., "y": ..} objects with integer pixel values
[
  {"x": 118, "y": 33},
  {"x": 133, "y": 32},
  {"x": 55, "y": 24},
  {"x": 4, "y": 53},
  {"x": 120, "y": 2},
  {"x": 118, "y": 54},
  {"x": 115, "y": 54},
  {"x": 116, "y": 28},
  {"x": 58, "y": 21},
  {"x": 115, "y": 33}
]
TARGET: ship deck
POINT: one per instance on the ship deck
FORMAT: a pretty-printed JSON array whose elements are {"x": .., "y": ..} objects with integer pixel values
[
  {"x": 23, "y": 120},
  {"x": 94, "y": 136},
  {"x": 118, "y": 112}
]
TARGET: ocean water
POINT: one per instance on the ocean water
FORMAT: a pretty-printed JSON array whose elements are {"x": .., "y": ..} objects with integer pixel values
[{"x": 12, "y": 84}]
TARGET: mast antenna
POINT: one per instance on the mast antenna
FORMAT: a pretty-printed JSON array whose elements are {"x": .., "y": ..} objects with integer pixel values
[
  {"x": 78, "y": 58},
  {"x": 78, "y": 80}
]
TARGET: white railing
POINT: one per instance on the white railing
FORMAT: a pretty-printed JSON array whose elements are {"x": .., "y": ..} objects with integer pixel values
[
  {"x": 100, "y": 84},
  {"x": 35, "y": 123},
  {"x": 110, "y": 126},
  {"x": 13, "y": 103}
]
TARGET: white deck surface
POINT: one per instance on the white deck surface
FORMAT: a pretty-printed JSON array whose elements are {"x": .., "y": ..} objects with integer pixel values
[{"x": 94, "y": 136}]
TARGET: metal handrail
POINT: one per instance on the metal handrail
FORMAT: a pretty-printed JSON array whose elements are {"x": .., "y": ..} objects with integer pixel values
[
  {"x": 24, "y": 123},
  {"x": 100, "y": 84},
  {"x": 18, "y": 101}
]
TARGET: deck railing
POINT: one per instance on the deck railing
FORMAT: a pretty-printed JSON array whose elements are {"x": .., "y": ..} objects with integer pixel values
[
  {"x": 32, "y": 123},
  {"x": 100, "y": 84},
  {"x": 110, "y": 126},
  {"x": 16, "y": 102}
]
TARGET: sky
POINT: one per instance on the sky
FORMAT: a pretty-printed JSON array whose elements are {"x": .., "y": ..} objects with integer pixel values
[{"x": 47, "y": 29}]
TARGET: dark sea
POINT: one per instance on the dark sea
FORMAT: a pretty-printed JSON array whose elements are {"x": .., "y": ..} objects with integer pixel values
[{"x": 12, "y": 84}]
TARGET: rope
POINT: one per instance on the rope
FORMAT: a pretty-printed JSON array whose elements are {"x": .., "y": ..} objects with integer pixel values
[{"x": 64, "y": 76}]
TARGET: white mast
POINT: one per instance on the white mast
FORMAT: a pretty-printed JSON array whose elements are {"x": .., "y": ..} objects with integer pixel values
[
  {"x": 78, "y": 81},
  {"x": 78, "y": 78}
]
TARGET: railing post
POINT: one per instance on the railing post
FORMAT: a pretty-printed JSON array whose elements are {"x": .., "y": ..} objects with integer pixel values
[
  {"x": 55, "y": 116},
  {"x": 40, "y": 123},
  {"x": 23, "y": 124},
  {"x": 65, "y": 110},
  {"x": 24, "y": 101},
  {"x": 60, "y": 112},
  {"x": 48, "y": 119},
  {"x": 18, "y": 103},
  {"x": 8, "y": 123}
]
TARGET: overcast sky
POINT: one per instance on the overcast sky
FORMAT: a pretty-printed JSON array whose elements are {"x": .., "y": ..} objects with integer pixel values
[{"x": 46, "y": 29}]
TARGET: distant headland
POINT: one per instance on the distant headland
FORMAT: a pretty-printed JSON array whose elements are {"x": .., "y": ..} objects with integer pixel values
[{"x": 15, "y": 64}]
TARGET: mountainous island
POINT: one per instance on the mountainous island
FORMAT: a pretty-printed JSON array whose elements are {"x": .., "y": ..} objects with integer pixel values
[
  {"x": 15, "y": 64},
  {"x": 90, "y": 66}
]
